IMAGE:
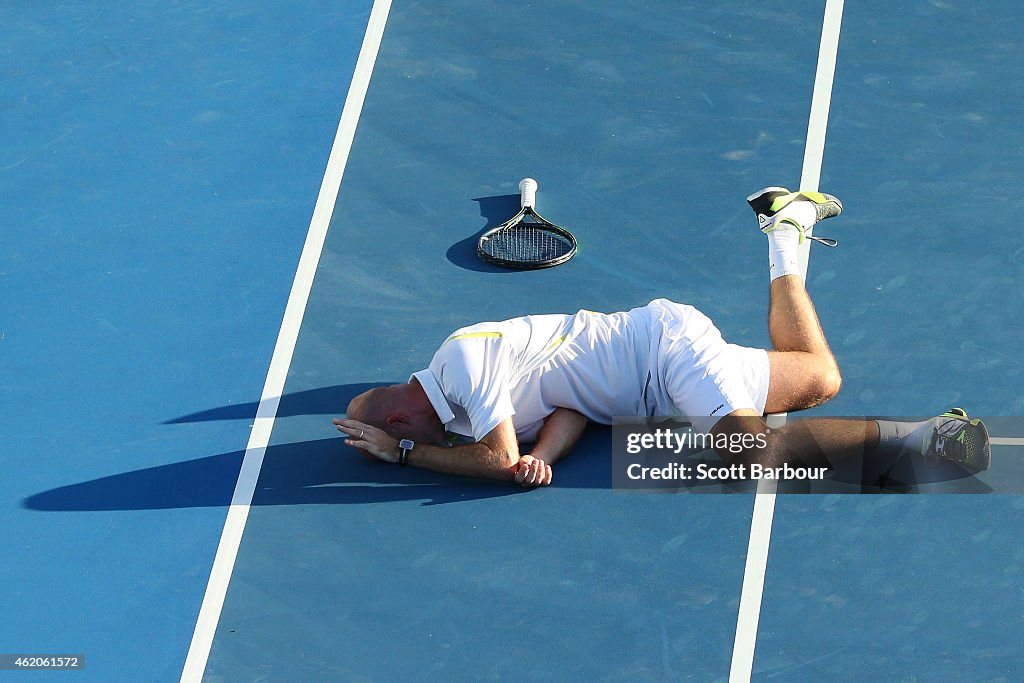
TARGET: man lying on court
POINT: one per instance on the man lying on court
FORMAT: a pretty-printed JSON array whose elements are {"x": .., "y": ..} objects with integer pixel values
[{"x": 540, "y": 378}]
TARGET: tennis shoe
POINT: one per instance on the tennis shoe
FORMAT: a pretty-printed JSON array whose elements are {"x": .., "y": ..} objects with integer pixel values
[
  {"x": 955, "y": 437},
  {"x": 777, "y": 206}
]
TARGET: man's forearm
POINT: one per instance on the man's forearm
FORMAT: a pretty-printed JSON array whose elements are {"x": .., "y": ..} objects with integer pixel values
[
  {"x": 469, "y": 460},
  {"x": 560, "y": 432},
  {"x": 496, "y": 456}
]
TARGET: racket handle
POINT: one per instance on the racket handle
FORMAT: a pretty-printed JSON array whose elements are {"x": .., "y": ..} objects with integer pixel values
[{"x": 528, "y": 192}]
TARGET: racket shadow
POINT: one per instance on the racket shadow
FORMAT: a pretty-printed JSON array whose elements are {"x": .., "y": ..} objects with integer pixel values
[{"x": 496, "y": 210}]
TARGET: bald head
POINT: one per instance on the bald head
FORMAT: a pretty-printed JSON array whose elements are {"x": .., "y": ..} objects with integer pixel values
[
  {"x": 401, "y": 410},
  {"x": 373, "y": 406}
]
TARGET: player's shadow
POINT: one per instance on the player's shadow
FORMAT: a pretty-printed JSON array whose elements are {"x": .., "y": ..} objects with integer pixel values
[
  {"x": 325, "y": 471},
  {"x": 320, "y": 471},
  {"x": 877, "y": 472},
  {"x": 321, "y": 401},
  {"x": 495, "y": 210}
]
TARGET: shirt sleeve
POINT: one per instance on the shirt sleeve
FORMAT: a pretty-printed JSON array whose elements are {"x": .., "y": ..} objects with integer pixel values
[{"x": 474, "y": 374}]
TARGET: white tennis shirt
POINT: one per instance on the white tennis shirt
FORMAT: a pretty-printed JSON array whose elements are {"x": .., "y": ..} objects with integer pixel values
[{"x": 601, "y": 365}]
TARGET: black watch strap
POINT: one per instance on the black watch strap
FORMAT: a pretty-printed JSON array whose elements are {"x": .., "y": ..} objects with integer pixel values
[{"x": 404, "y": 446}]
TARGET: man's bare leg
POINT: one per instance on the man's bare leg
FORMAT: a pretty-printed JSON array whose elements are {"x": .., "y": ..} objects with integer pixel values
[
  {"x": 815, "y": 442},
  {"x": 804, "y": 372}
]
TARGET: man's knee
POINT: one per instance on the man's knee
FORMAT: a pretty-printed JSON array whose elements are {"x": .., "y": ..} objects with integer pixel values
[
  {"x": 822, "y": 385},
  {"x": 831, "y": 381}
]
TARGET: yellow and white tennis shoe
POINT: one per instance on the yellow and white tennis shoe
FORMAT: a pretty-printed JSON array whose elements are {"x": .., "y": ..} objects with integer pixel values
[{"x": 777, "y": 206}]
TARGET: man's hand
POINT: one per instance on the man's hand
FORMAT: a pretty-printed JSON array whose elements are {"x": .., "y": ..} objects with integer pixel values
[
  {"x": 369, "y": 439},
  {"x": 530, "y": 471}
]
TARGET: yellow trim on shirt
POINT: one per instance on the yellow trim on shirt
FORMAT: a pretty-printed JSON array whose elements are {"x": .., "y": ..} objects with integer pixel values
[
  {"x": 473, "y": 335},
  {"x": 557, "y": 342}
]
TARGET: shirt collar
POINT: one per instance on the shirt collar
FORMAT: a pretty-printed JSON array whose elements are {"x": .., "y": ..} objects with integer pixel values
[{"x": 435, "y": 394}]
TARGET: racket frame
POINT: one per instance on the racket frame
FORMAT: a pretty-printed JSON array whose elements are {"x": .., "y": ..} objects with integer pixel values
[{"x": 539, "y": 221}]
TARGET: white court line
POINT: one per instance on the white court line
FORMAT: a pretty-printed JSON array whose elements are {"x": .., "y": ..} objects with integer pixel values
[
  {"x": 764, "y": 501},
  {"x": 1006, "y": 441},
  {"x": 259, "y": 437}
]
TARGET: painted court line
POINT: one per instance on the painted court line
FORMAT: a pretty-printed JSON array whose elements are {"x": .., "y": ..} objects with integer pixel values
[
  {"x": 764, "y": 500},
  {"x": 259, "y": 437}
]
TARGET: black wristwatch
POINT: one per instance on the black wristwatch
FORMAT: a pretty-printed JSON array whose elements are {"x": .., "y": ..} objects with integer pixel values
[{"x": 404, "y": 446}]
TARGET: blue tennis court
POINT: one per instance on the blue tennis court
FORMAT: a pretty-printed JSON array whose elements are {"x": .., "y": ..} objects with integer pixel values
[{"x": 222, "y": 222}]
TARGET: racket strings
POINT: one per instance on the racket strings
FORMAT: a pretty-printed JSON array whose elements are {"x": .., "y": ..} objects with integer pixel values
[{"x": 526, "y": 243}]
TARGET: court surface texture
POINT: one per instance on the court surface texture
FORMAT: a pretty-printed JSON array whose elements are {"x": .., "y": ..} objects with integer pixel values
[{"x": 221, "y": 221}]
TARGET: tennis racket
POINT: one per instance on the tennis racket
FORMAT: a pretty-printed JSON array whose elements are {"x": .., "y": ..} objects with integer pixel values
[{"x": 527, "y": 240}]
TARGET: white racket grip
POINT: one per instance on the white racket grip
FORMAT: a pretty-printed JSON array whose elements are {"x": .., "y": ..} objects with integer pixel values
[{"x": 528, "y": 192}]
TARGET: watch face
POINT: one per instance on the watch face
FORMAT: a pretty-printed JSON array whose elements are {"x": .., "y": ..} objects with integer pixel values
[{"x": 406, "y": 444}]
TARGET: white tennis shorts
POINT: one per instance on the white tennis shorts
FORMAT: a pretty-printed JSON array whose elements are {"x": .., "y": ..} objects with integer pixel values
[{"x": 701, "y": 374}]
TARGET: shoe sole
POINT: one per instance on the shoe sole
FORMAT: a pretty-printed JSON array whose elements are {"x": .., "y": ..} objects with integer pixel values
[{"x": 760, "y": 193}]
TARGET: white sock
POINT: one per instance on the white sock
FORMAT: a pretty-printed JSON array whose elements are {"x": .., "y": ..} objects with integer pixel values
[
  {"x": 783, "y": 251},
  {"x": 784, "y": 240},
  {"x": 901, "y": 436}
]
